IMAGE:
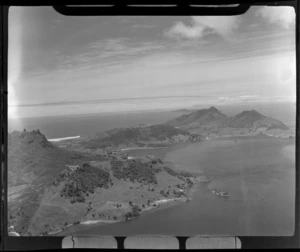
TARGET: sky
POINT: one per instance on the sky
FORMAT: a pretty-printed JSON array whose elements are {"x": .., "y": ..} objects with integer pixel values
[{"x": 63, "y": 65}]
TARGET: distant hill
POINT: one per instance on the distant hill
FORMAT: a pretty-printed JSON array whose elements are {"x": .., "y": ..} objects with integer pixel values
[
  {"x": 184, "y": 111},
  {"x": 211, "y": 120},
  {"x": 140, "y": 136},
  {"x": 205, "y": 117},
  {"x": 253, "y": 119}
]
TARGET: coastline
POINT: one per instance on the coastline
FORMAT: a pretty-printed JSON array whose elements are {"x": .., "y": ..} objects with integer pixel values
[
  {"x": 63, "y": 138},
  {"x": 89, "y": 222},
  {"x": 154, "y": 205},
  {"x": 161, "y": 152},
  {"x": 160, "y": 202},
  {"x": 143, "y": 148}
]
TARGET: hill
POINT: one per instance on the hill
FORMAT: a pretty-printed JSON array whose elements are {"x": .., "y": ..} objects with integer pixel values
[
  {"x": 33, "y": 160},
  {"x": 51, "y": 188},
  {"x": 253, "y": 119},
  {"x": 33, "y": 163},
  {"x": 154, "y": 135},
  {"x": 212, "y": 121},
  {"x": 210, "y": 118}
]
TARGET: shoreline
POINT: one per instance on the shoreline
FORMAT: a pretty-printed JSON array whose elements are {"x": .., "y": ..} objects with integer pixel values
[
  {"x": 160, "y": 202},
  {"x": 62, "y": 138},
  {"x": 157, "y": 151},
  {"x": 143, "y": 148},
  {"x": 154, "y": 205},
  {"x": 89, "y": 222}
]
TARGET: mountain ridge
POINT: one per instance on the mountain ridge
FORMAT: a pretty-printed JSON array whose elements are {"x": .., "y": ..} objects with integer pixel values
[
  {"x": 253, "y": 119},
  {"x": 212, "y": 120},
  {"x": 211, "y": 115},
  {"x": 154, "y": 135}
]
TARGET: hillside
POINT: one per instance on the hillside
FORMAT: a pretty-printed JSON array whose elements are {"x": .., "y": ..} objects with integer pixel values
[
  {"x": 212, "y": 121},
  {"x": 51, "y": 188},
  {"x": 201, "y": 120},
  {"x": 154, "y": 135},
  {"x": 32, "y": 160},
  {"x": 253, "y": 119},
  {"x": 33, "y": 163},
  {"x": 116, "y": 190}
]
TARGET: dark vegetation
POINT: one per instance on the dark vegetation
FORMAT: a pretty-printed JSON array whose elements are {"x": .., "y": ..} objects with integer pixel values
[
  {"x": 164, "y": 193},
  {"x": 178, "y": 194},
  {"x": 82, "y": 181},
  {"x": 135, "y": 211},
  {"x": 135, "y": 170},
  {"x": 134, "y": 136}
]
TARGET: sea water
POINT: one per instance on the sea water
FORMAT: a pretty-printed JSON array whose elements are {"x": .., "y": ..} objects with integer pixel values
[{"x": 89, "y": 124}]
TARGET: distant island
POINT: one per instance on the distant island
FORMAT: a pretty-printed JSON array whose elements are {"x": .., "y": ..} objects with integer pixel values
[
  {"x": 211, "y": 122},
  {"x": 54, "y": 185}
]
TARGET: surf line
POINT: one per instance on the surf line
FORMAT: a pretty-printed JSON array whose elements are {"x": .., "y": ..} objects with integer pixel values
[{"x": 62, "y": 138}]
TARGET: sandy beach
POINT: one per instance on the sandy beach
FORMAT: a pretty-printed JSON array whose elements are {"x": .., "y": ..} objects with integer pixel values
[
  {"x": 143, "y": 148},
  {"x": 62, "y": 138},
  {"x": 88, "y": 222}
]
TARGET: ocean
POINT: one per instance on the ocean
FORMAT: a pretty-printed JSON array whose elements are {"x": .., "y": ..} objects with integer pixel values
[{"x": 89, "y": 124}]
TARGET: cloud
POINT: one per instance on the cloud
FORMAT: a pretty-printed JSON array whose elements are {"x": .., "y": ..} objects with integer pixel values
[
  {"x": 283, "y": 15},
  {"x": 201, "y": 25},
  {"x": 107, "y": 53},
  {"x": 180, "y": 29}
]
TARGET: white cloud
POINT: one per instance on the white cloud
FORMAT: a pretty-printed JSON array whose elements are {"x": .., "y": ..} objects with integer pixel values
[
  {"x": 180, "y": 29},
  {"x": 224, "y": 26},
  {"x": 283, "y": 15}
]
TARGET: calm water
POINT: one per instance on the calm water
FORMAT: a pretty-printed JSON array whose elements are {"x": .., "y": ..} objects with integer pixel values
[{"x": 258, "y": 173}]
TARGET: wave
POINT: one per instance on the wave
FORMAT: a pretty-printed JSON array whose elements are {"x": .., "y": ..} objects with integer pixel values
[{"x": 62, "y": 138}]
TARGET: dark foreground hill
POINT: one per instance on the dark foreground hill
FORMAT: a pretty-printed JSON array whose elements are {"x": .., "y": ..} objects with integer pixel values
[
  {"x": 32, "y": 160},
  {"x": 51, "y": 188},
  {"x": 33, "y": 163}
]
